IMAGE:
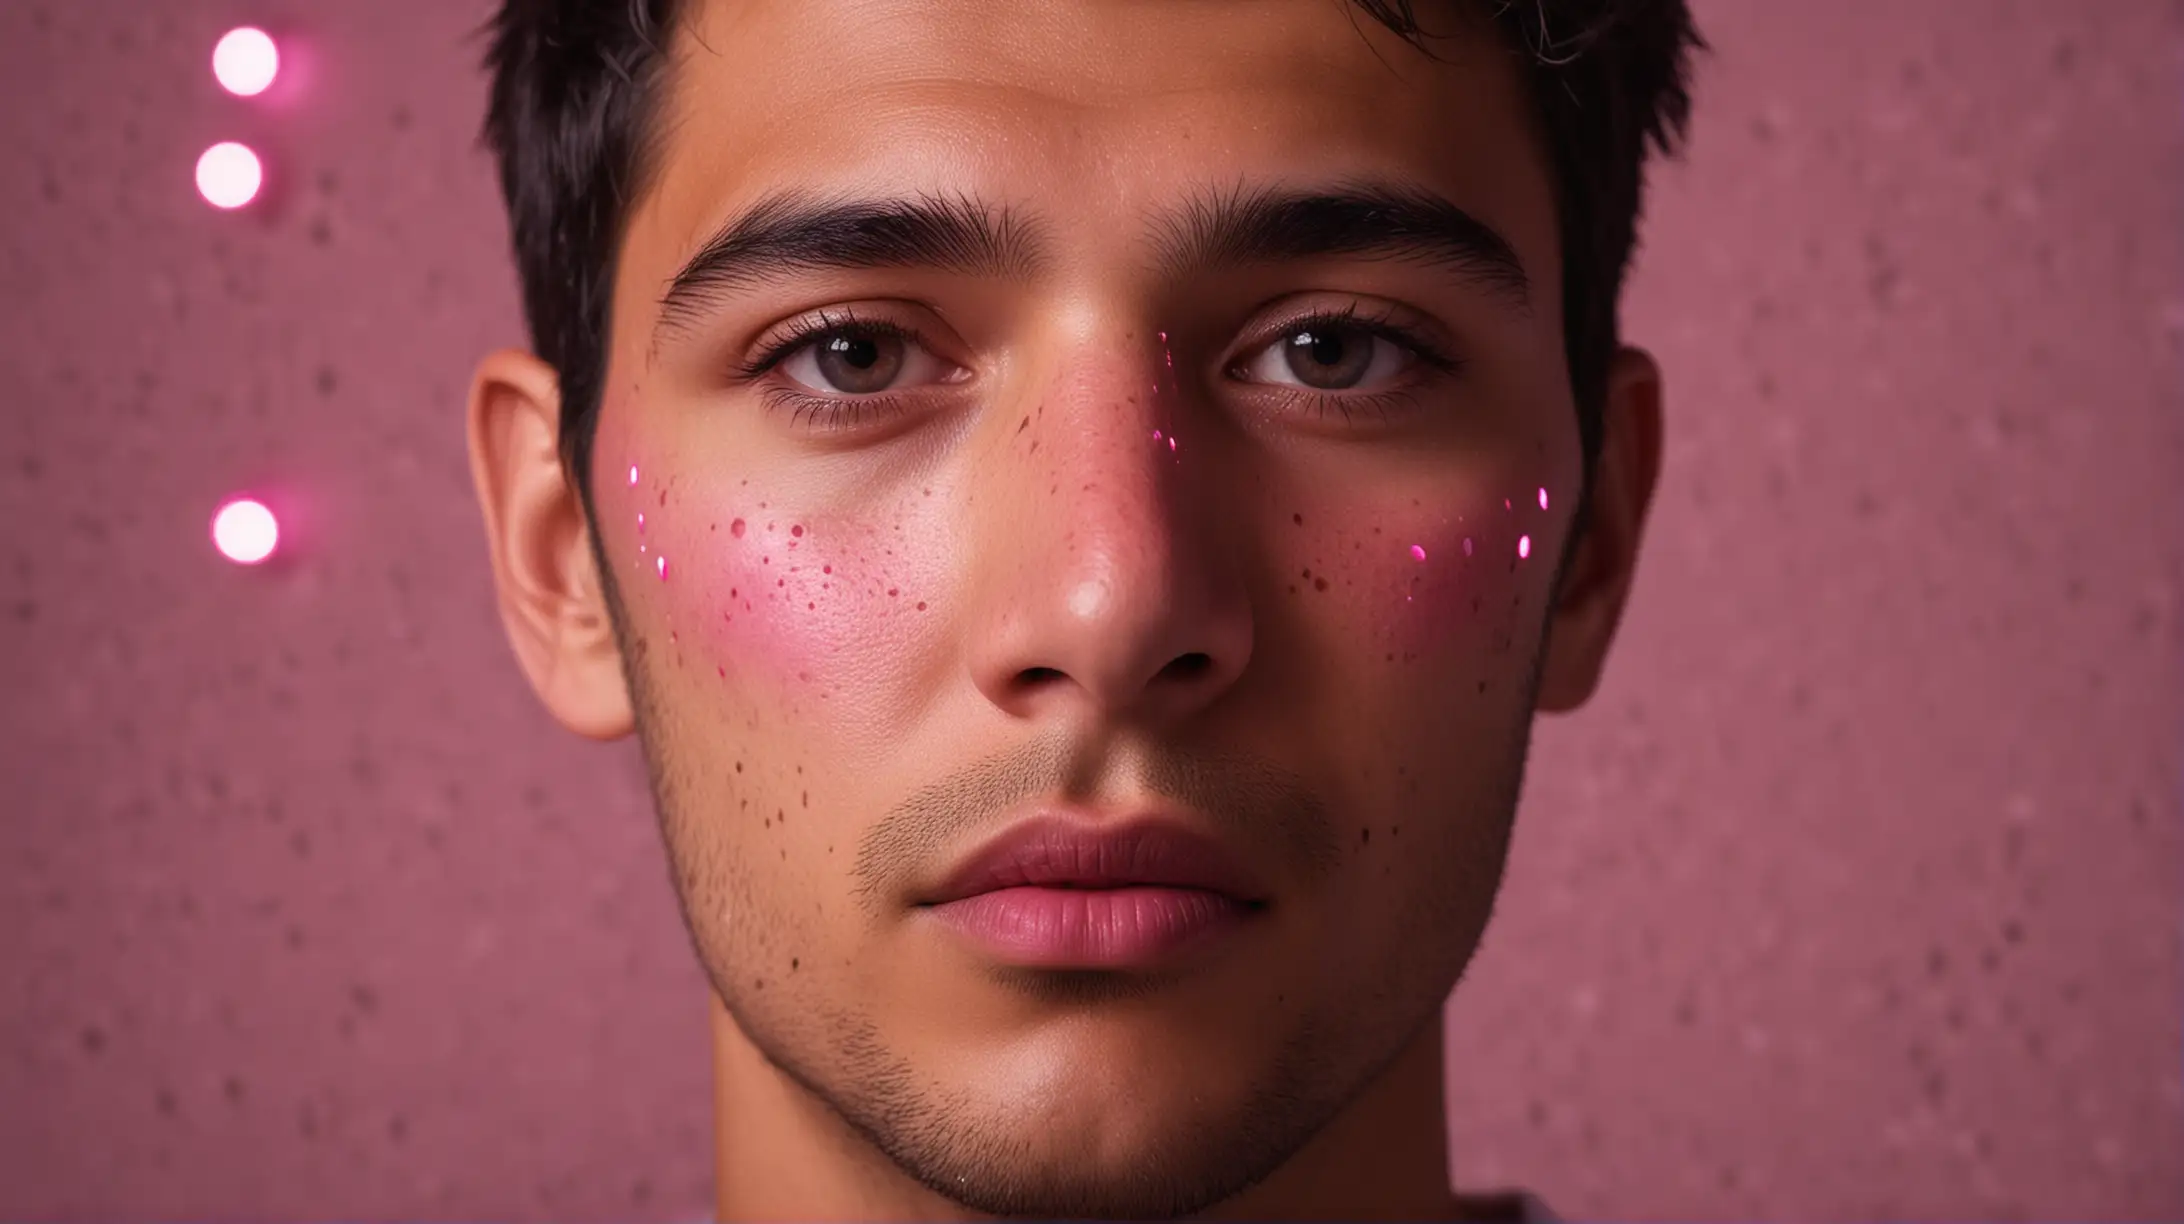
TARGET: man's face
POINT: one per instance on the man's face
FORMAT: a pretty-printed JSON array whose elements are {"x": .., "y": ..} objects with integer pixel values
[{"x": 1174, "y": 485}]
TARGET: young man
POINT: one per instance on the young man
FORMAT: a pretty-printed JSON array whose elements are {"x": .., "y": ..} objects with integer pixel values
[{"x": 1080, "y": 502}]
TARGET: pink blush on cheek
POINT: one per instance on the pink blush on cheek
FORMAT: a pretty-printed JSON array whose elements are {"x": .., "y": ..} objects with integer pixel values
[{"x": 802, "y": 604}]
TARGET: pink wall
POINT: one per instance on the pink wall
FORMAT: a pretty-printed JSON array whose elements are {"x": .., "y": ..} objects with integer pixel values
[{"x": 1855, "y": 895}]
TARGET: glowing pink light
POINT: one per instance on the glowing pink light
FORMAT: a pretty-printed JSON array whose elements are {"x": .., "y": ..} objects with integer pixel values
[
  {"x": 244, "y": 531},
  {"x": 632, "y": 475},
  {"x": 1524, "y": 546},
  {"x": 245, "y": 61},
  {"x": 1543, "y": 497},
  {"x": 1418, "y": 551},
  {"x": 228, "y": 175}
]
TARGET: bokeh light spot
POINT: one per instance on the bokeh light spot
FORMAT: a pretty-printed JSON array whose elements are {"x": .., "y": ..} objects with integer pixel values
[
  {"x": 245, "y": 61},
  {"x": 244, "y": 531},
  {"x": 228, "y": 175}
]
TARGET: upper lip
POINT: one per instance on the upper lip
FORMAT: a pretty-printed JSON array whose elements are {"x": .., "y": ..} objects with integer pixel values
[{"x": 1060, "y": 848}]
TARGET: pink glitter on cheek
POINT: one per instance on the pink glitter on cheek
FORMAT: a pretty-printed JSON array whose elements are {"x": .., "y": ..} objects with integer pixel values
[
  {"x": 1418, "y": 551},
  {"x": 632, "y": 475},
  {"x": 663, "y": 569},
  {"x": 1543, "y": 497},
  {"x": 1524, "y": 546}
]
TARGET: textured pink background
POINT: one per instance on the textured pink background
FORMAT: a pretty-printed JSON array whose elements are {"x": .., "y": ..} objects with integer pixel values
[{"x": 1855, "y": 895}]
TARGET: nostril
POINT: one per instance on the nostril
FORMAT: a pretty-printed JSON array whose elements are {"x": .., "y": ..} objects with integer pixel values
[
  {"x": 1037, "y": 677},
  {"x": 1188, "y": 667}
]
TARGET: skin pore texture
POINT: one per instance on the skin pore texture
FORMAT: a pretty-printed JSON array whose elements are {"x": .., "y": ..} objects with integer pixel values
[{"x": 1064, "y": 522}]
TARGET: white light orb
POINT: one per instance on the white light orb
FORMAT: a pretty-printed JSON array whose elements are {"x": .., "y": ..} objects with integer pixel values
[
  {"x": 228, "y": 175},
  {"x": 244, "y": 531},
  {"x": 245, "y": 61}
]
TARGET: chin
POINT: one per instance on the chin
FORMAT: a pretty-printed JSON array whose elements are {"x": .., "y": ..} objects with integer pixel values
[{"x": 1106, "y": 1099}]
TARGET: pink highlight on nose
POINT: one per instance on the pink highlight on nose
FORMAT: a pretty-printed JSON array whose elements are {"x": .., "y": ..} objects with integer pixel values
[
  {"x": 663, "y": 569},
  {"x": 1543, "y": 497},
  {"x": 1524, "y": 546},
  {"x": 1418, "y": 551},
  {"x": 640, "y": 522},
  {"x": 632, "y": 475}
]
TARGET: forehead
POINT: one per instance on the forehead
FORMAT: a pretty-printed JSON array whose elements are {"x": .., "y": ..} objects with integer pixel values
[{"x": 1092, "y": 111}]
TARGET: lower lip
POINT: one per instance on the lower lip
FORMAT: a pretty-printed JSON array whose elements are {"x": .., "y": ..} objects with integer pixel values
[{"x": 1092, "y": 928}]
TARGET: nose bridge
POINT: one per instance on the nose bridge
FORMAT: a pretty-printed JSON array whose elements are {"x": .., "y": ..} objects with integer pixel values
[
  {"x": 1112, "y": 490},
  {"x": 1099, "y": 577}
]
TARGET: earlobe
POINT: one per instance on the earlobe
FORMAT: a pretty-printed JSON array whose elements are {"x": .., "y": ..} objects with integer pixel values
[
  {"x": 549, "y": 590},
  {"x": 1596, "y": 582}
]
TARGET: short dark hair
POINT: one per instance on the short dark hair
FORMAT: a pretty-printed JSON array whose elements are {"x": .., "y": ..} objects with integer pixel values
[{"x": 571, "y": 123}]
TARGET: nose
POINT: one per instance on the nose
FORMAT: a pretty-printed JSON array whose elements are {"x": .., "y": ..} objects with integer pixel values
[{"x": 1110, "y": 581}]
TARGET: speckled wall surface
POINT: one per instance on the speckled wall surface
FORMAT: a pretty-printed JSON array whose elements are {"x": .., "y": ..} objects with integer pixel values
[{"x": 1854, "y": 895}]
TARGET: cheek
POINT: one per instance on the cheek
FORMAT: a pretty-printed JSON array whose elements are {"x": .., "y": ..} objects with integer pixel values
[
  {"x": 1428, "y": 581},
  {"x": 754, "y": 590}
]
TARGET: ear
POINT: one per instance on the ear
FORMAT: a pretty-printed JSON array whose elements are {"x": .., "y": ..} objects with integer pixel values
[
  {"x": 551, "y": 600},
  {"x": 1596, "y": 579}
]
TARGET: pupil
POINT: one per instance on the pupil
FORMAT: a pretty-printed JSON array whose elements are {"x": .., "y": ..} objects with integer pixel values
[
  {"x": 1324, "y": 358},
  {"x": 860, "y": 365},
  {"x": 859, "y": 352}
]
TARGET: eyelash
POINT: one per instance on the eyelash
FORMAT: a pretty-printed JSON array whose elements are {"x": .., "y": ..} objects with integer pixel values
[{"x": 848, "y": 410}]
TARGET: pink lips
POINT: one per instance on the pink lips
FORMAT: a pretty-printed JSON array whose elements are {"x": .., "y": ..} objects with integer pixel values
[{"x": 1057, "y": 892}]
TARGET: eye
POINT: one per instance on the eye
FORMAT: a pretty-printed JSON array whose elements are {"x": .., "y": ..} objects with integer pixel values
[
  {"x": 1328, "y": 355},
  {"x": 862, "y": 359}
]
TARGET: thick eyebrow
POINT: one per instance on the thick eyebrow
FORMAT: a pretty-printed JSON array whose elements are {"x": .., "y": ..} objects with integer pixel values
[
  {"x": 1372, "y": 219},
  {"x": 797, "y": 231}
]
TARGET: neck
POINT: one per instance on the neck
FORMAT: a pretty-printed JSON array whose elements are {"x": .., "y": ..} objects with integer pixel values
[{"x": 780, "y": 1154}]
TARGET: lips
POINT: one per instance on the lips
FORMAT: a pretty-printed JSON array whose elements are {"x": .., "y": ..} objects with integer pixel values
[
  {"x": 1058, "y": 893},
  {"x": 1055, "y": 850}
]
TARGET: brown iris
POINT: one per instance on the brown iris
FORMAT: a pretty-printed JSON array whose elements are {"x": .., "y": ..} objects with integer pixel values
[
  {"x": 859, "y": 364},
  {"x": 1329, "y": 358}
]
